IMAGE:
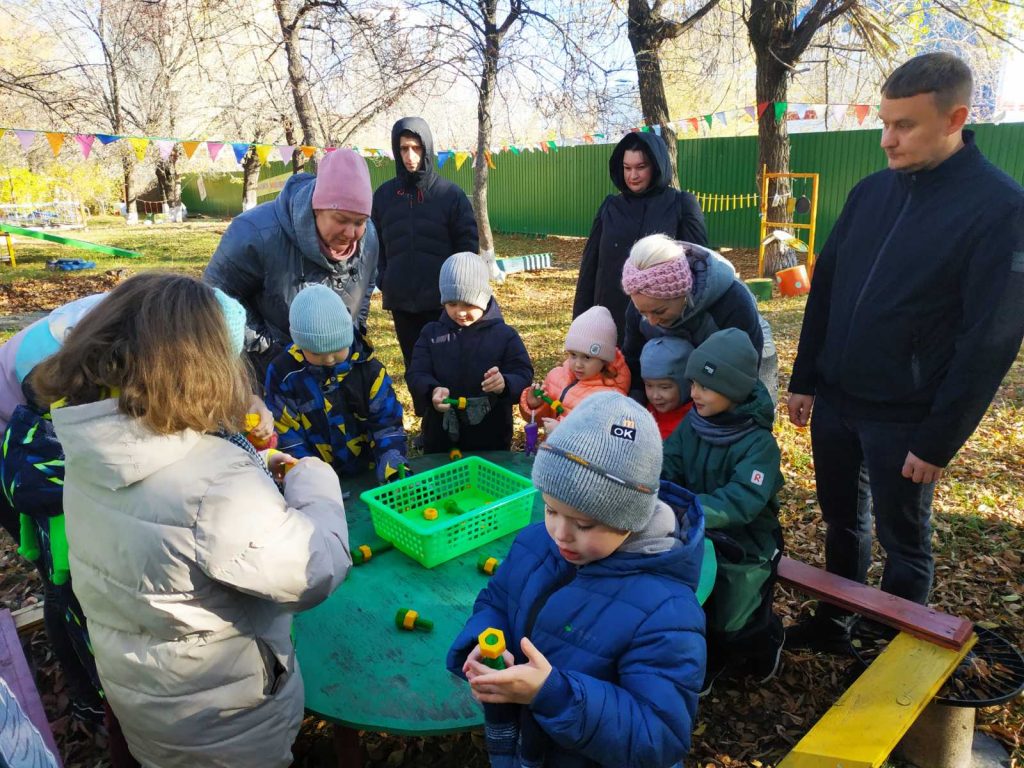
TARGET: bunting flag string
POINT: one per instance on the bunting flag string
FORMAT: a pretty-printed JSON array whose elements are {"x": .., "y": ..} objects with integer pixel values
[{"x": 833, "y": 116}]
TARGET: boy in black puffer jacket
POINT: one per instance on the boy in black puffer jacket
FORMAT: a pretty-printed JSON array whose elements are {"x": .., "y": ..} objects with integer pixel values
[{"x": 469, "y": 352}]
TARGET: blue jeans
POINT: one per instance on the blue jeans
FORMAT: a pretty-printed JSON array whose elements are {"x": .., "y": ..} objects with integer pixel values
[{"x": 857, "y": 466}]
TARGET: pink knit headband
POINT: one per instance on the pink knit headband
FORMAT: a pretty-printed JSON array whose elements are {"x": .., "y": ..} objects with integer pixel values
[{"x": 668, "y": 280}]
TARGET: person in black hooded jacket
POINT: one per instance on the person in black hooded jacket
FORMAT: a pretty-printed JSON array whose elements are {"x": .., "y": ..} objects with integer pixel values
[
  {"x": 647, "y": 205},
  {"x": 421, "y": 219}
]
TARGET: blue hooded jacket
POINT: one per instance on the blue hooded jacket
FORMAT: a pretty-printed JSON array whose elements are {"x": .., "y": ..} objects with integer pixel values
[
  {"x": 625, "y": 639},
  {"x": 271, "y": 252}
]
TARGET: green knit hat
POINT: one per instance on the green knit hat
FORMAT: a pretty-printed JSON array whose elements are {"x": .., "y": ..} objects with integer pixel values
[{"x": 725, "y": 363}]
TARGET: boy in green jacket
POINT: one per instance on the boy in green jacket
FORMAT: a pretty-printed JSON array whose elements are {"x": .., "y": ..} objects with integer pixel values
[{"x": 725, "y": 453}]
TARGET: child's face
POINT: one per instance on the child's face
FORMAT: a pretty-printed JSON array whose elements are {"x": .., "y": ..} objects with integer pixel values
[
  {"x": 462, "y": 313},
  {"x": 584, "y": 366},
  {"x": 662, "y": 394},
  {"x": 707, "y": 402},
  {"x": 326, "y": 359},
  {"x": 579, "y": 539}
]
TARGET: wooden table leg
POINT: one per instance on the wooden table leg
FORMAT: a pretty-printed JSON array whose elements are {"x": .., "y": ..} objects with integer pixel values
[{"x": 346, "y": 747}]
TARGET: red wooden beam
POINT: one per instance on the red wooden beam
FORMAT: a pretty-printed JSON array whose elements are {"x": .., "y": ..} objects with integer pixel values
[{"x": 907, "y": 616}]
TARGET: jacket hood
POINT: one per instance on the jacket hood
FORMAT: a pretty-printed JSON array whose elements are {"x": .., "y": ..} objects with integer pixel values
[
  {"x": 656, "y": 152},
  {"x": 758, "y": 406},
  {"x": 115, "y": 450},
  {"x": 682, "y": 562},
  {"x": 427, "y": 172},
  {"x": 713, "y": 275}
]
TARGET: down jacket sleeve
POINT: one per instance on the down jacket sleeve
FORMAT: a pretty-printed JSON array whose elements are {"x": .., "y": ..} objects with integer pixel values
[
  {"x": 462, "y": 226},
  {"x": 692, "y": 228},
  {"x": 587, "y": 280},
  {"x": 291, "y": 550},
  {"x": 646, "y": 720},
  {"x": 516, "y": 367},
  {"x": 740, "y": 501},
  {"x": 420, "y": 377}
]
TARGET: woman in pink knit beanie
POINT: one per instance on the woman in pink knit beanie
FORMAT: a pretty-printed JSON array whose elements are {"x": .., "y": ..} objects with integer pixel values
[
  {"x": 688, "y": 291},
  {"x": 317, "y": 231}
]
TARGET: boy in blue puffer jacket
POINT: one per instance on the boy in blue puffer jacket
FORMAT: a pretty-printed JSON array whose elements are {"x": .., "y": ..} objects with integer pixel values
[
  {"x": 597, "y": 605},
  {"x": 468, "y": 352},
  {"x": 330, "y": 397}
]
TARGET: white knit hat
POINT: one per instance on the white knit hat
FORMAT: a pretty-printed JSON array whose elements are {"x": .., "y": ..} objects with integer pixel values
[{"x": 593, "y": 333}]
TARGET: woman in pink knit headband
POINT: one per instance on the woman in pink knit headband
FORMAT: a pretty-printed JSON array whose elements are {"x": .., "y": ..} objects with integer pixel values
[{"x": 688, "y": 291}]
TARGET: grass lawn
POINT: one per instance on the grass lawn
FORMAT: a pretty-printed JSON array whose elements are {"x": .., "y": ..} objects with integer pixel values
[{"x": 978, "y": 522}]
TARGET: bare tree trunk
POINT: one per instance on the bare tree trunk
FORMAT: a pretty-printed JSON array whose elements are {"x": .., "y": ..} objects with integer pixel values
[
  {"x": 304, "y": 108},
  {"x": 250, "y": 178},
  {"x": 483, "y": 140},
  {"x": 131, "y": 212},
  {"x": 772, "y": 86},
  {"x": 298, "y": 156}
]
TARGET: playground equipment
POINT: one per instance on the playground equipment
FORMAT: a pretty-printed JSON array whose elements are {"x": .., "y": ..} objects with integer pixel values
[
  {"x": 793, "y": 281},
  {"x": 714, "y": 202},
  {"x": 531, "y": 262},
  {"x": 63, "y": 214},
  {"x": 9, "y": 229},
  {"x": 799, "y": 205}
]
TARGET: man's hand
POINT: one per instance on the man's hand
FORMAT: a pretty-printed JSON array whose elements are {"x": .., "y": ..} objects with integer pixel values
[
  {"x": 516, "y": 685},
  {"x": 800, "y": 408},
  {"x": 439, "y": 394},
  {"x": 494, "y": 382},
  {"x": 920, "y": 471}
]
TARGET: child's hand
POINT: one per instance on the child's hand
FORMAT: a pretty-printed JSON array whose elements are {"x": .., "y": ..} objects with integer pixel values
[
  {"x": 516, "y": 685},
  {"x": 532, "y": 400},
  {"x": 549, "y": 425},
  {"x": 494, "y": 382},
  {"x": 474, "y": 666},
  {"x": 439, "y": 394},
  {"x": 262, "y": 431},
  {"x": 279, "y": 463}
]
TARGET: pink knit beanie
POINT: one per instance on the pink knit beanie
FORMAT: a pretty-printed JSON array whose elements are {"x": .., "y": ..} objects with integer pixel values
[
  {"x": 593, "y": 333},
  {"x": 343, "y": 183},
  {"x": 668, "y": 280}
]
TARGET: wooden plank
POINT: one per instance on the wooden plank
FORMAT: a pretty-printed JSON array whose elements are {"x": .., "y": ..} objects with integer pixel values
[
  {"x": 874, "y": 713},
  {"x": 918, "y": 620},
  {"x": 28, "y": 618},
  {"x": 15, "y": 672}
]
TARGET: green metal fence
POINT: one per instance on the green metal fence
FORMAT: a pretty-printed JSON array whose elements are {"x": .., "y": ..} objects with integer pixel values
[{"x": 559, "y": 192}]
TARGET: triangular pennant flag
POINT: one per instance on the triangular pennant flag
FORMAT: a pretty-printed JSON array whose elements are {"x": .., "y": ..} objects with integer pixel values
[
  {"x": 442, "y": 158},
  {"x": 189, "y": 148},
  {"x": 490, "y": 160},
  {"x": 645, "y": 129},
  {"x": 999, "y": 116},
  {"x": 286, "y": 151},
  {"x": 797, "y": 112},
  {"x": 599, "y": 135},
  {"x": 761, "y": 107},
  {"x": 861, "y": 111},
  {"x": 721, "y": 117},
  {"x": 328, "y": 150},
  {"x": 657, "y": 129},
  {"x": 139, "y": 144},
  {"x": 2, "y": 132},
  {"x": 751, "y": 113},
  {"x": 164, "y": 147},
  {"x": 708, "y": 119},
  {"x": 460, "y": 158},
  {"x": 106, "y": 138},
  {"x": 25, "y": 138},
  {"x": 587, "y": 138},
  {"x": 815, "y": 111},
  {"x": 780, "y": 110},
  {"x": 837, "y": 112},
  {"x": 85, "y": 141},
  {"x": 56, "y": 141},
  {"x": 307, "y": 150},
  {"x": 553, "y": 145},
  {"x": 214, "y": 148},
  {"x": 239, "y": 148},
  {"x": 694, "y": 124},
  {"x": 263, "y": 153},
  {"x": 514, "y": 150}
]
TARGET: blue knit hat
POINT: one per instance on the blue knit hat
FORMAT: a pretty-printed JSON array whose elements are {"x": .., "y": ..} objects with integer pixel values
[
  {"x": 234, "y": 315},
  {"x": 465, "y": 277},
  {"x": 725, "y": 363},
  {"x": 665, "y": 358},
  {"x": 44, "y": 337},
  {"x": 605, "y": 461},
  {"x": 319, "y": 320}
]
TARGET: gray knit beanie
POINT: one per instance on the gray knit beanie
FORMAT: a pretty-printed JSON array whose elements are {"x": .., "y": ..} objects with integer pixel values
[
  {"x": 465, "y": 277},
  {"x": 319, "y": 320},
  {"x": 604, "y": 460},
  {"x": 725, "y": 363},
  {"x": 665, "y": 358}
]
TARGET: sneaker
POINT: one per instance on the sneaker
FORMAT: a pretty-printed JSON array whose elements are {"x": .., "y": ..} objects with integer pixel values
[
  {"x": 88, "y": 712},
  {"x": 765, "y": 666},
  {"x": 824, "y": 635},
  {"x": 712, "y": 673}
]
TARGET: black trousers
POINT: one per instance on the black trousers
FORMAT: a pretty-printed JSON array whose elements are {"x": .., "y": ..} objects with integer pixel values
[{"x": 407, "y": 328}]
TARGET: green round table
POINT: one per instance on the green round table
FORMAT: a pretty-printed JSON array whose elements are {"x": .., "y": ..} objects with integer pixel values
[{"x": 359, "y": 669}]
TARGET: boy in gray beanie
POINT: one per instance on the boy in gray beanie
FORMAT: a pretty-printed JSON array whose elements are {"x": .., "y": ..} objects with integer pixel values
[
  {"x": 725, "y": 453},
  {"x": 330, "y": 397},
  {"x": 663, "y": 368},
  {"x": 471, "y": 356},
  {"x": 604, "y": 633}
]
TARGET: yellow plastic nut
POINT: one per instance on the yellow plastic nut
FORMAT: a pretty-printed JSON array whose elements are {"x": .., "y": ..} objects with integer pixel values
[
  {"x": 430, "y": 513},
  {"x": 454, "y": 454},
  {"x": 252, "y": 420}
]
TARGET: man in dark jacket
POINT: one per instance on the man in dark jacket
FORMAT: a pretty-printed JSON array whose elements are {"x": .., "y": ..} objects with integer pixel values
[
  {"x": 421, "y": 219},
  {"x": 915, "y": 314},
  {"x": 648, "y": 204}
]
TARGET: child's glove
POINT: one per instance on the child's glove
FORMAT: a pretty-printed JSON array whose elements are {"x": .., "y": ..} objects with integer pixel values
[{"x": 391, "y": 466}]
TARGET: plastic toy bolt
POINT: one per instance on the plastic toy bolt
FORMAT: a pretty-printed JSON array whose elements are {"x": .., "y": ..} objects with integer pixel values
[
  {"x": 454, "y": 454},
  {"x": 452, "y": 507},
  {"x": 408, "y": 619},
  {"x": 456, "y": 402},
  {"x": 252, "y": 420},
  {"x": 492, "y": 646},
  {"x": 430, "y": 513},
  {"x": 364, "y": 552},
  {"x": 487, "y": 564},
  {"x": 556, "y": 405}
]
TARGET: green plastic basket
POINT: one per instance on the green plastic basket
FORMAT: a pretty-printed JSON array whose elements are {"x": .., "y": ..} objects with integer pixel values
[{"x": 493, "y": 500}]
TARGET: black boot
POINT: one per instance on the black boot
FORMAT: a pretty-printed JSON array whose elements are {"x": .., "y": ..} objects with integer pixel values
[{"x": 824, "y": 632}]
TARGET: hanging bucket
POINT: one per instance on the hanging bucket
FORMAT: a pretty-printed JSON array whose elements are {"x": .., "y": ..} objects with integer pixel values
[
  {"x": 793, "y": 281},
  {"x": 761, "y": 287}
]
